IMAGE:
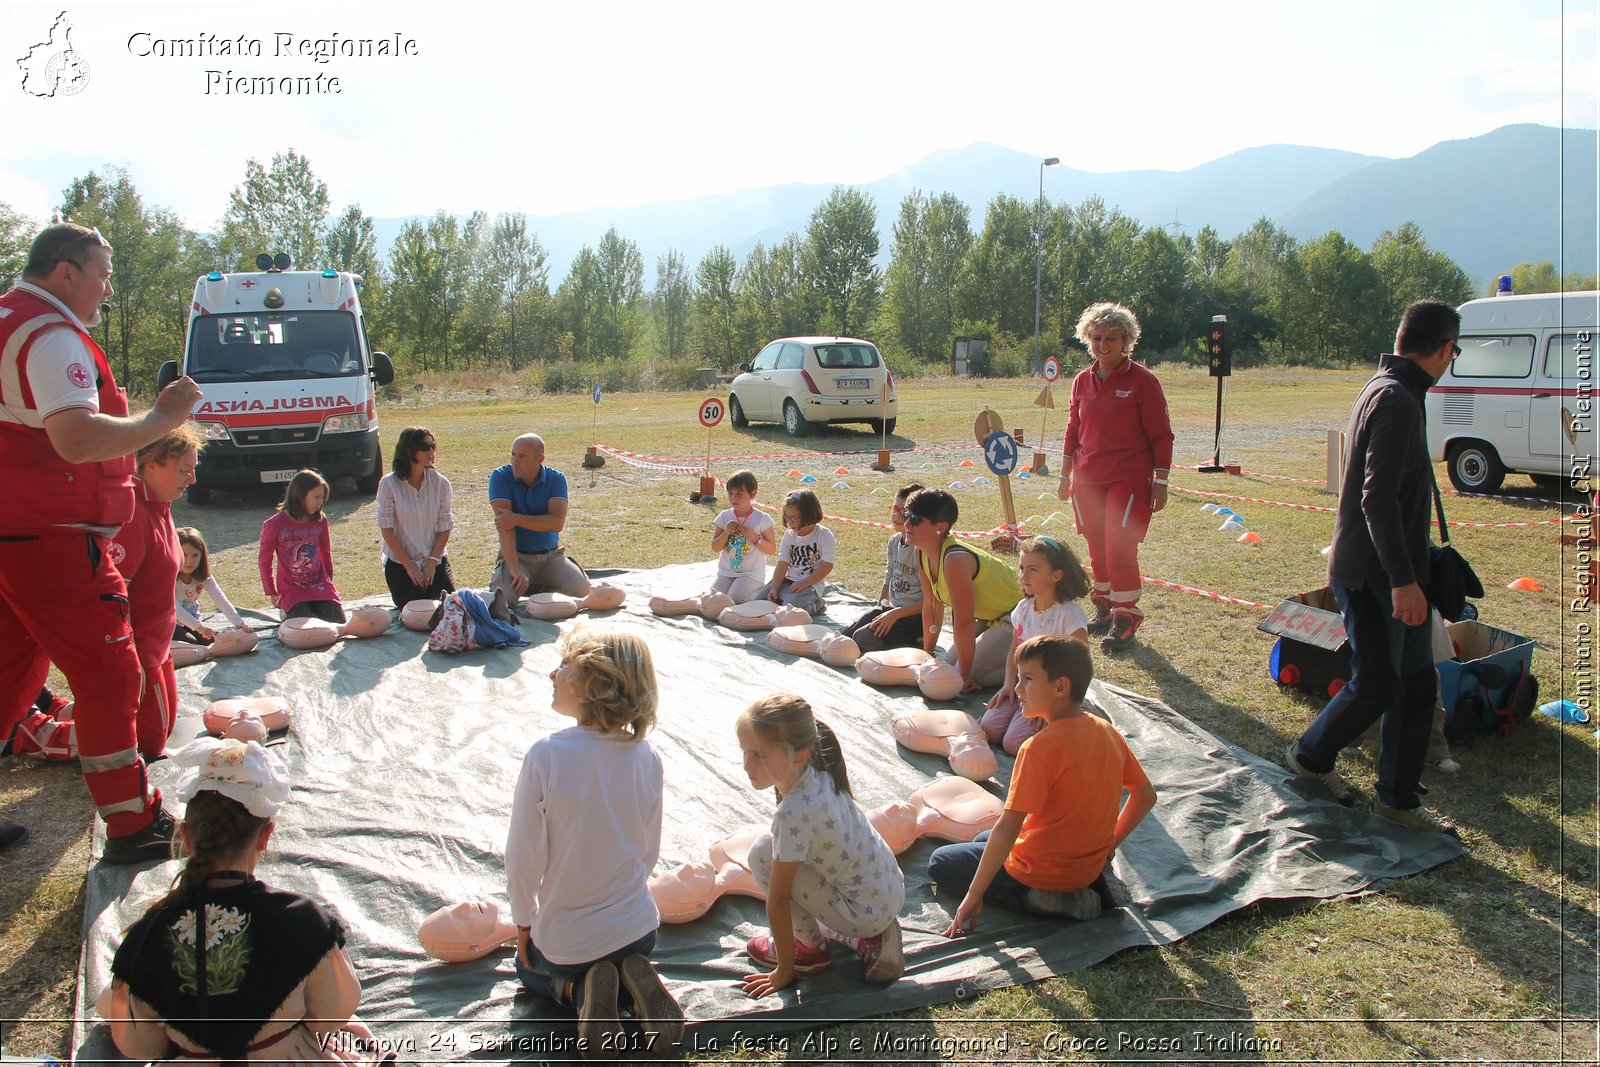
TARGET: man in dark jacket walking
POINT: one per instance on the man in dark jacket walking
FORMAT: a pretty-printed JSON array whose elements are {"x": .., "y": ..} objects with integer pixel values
[{"x": 1376, "y": 571}]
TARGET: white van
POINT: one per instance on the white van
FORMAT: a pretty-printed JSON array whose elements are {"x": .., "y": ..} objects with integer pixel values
[
  {"x": 289, "y": 378},
  {"x": 1520, "y": 397}
]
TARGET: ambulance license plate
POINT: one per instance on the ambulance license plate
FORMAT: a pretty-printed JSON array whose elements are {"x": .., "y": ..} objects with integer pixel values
[{"x": 277, "y": 476}]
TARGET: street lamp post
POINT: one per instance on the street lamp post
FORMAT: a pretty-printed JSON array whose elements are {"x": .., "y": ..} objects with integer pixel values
[{"x": 1038, "y": 266}]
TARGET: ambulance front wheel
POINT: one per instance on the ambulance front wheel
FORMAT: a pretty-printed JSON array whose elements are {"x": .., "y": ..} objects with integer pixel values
[
  {"x": 368, "y": 483},
  {"x": 198, "y": 495},
  {"x": 1475, "y": 467}
]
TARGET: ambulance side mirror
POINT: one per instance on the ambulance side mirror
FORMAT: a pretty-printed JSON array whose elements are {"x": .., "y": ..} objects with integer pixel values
[
  {"x": 167, "y": 374},
  {"x": 382, "y": 368}
]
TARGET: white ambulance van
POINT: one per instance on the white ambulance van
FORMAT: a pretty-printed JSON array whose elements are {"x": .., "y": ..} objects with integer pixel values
[
  {"x": 1521, "y": 396},
  {"x": 288, "y": 375}
]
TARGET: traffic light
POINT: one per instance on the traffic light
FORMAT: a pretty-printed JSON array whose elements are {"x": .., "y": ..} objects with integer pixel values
[{"x": 1219, "y": 347}]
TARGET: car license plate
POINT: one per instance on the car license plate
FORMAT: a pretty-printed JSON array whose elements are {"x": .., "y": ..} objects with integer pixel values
[
  {"x": 852, "y": 383},
  {"x": 277, "y": 476}
]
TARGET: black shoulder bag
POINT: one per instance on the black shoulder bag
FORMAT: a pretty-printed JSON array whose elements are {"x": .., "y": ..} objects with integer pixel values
[{"x": 1451, "y": 579}]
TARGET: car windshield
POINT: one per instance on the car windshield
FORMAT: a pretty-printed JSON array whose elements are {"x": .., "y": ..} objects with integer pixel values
[
  {"x": 847, "y": 357},
  {"x": 306, "y": 344}
]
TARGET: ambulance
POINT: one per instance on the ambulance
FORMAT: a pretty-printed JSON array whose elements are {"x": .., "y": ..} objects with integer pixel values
[
  {"x": 288, "y": 375},
  {"x": 1521, "y": 396}
]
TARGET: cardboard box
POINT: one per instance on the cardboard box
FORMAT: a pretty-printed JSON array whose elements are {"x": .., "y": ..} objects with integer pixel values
[
  {"x": 1479, "y": 645},
  {"x": 1312, "y": 652}
]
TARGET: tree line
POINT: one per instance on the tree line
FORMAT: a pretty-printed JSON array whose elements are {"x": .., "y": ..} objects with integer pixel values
[{"x": 476, "y": 293}]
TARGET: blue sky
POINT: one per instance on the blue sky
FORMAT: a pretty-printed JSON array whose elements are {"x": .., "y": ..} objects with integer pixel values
[{"x": 546, "y": 108}]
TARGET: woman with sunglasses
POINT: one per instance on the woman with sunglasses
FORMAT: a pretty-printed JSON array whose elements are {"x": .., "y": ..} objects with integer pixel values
[{"x": 414, "y": 515}]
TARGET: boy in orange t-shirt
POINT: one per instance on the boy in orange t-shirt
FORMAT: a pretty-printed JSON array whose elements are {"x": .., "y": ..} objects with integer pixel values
[{"x": 1064, "y": 812}]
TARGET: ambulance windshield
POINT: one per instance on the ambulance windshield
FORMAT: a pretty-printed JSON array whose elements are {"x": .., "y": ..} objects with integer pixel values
[{"x": 303, "y": 344}]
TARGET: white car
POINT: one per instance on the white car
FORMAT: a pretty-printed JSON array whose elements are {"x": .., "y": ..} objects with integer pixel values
[{"x": 799, "y": 381}]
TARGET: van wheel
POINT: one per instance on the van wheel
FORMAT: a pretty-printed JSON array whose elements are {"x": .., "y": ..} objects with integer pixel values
[
  {"x": 794, "y": 423},
  {"x": 1474, "y": 467},
  {"x": 198, "y": 495},
  {"x": 369, "y": 483},
  {"x": 736, "y": 413}
]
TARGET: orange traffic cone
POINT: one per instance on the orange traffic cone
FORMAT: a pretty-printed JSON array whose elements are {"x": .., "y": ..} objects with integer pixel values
[{"x": 1526, "y": 585}]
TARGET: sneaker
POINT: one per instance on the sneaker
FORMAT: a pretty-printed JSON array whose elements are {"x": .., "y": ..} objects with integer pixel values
[
  {"x": 808, "y": 959},
  {"x": 1080, "y": 904},
  {"x": 1446, "y": 766},
  {"x": 153, "y": 844},
  {"x": 1336, "y": 786},
  {"x": 12, "y": 833},
  {"x": 1112, "y": 891},
  {"x": 1102, "y": 617},
  {"x": 500, "y": 610},
  {"x": 1418, "y": 818},
  {"x": 597, "y": 1011},
  {"x": 24, "y": 737},
  {"x": 653, "y": 1005},
  {"x": 883, "y": 954},
  {"x": 1122, "y": 631}
]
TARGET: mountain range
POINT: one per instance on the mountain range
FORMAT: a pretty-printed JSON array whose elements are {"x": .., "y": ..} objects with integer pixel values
[{"x": 1522, "y": 192}]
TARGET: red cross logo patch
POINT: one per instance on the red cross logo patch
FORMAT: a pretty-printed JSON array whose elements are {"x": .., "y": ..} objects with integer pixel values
[{"x": 78, "y": 375}]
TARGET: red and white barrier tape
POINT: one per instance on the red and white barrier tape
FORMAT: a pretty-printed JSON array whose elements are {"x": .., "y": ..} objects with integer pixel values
[
  {"x": 676, "y": 462},
  {"x": 1255, "y": 500},
  {"x": 1203, "y": 592},
  {"x": 1318, "y": 507}
]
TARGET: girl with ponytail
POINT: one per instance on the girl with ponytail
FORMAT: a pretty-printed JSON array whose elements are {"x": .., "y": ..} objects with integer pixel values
[
  {"x": 224, "y": 968},
  {"x": 827, "y": 872}
]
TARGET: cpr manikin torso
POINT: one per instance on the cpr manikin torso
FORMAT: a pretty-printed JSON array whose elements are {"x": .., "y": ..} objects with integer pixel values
[
  {"x": 949, "y": 733},
  {"x": 367, "y": 621},
  {"x": 554, "y": 606},
  {"x": 952, "y": 809},
  {"x": 687, "y": 892},
  {"x": 937, "y": 679},
  {"x": 230, "y": 642}
]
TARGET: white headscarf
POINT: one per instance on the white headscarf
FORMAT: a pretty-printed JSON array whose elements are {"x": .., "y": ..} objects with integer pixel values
[{"x": 239, "y": 770}]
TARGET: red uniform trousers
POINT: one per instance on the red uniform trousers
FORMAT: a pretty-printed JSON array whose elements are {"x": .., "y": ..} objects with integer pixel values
[
  {"x": 1113, "y": 519},
  {"x": 158, "y": 708},
  {"x": 62, "y": 602}
]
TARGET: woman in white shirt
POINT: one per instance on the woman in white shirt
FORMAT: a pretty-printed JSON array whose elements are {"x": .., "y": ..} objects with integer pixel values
[{"x": 414, "y": 515}]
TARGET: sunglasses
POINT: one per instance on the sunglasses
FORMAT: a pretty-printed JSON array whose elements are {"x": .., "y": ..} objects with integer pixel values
[
  {"x": 429, "y": 447},
  {"x": 916, "y": 520},
  {"x": 83, "y": 238}
]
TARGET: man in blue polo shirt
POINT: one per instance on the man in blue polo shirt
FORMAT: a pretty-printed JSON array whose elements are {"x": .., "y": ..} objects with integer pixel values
[{"x": 530, "y": 509}]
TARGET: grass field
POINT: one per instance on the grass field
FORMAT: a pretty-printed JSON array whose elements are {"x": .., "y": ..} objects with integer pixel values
[{"x": 1489, "y": 958}]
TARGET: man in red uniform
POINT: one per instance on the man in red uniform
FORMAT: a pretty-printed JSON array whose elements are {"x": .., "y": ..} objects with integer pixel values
[{"x": 67, "y": 439}]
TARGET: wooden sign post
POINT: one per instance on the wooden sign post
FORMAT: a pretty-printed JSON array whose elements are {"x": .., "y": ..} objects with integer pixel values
[
  {"x": 1000, "y": 453},
  {"x": 883, "y": 439},
  {"x": 711, "y": 411},
  {"x": 592, "y": 458},
  {"x": 1046, "y": 400}
]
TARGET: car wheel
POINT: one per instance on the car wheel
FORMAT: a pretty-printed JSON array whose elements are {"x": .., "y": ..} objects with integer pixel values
[
  {"x": 794, "y": 423},
  {"x": 736, "y": 413},
  {"x": 1474, "y": 467},
  {"x": 198, "y": 495},
  {"x": 368, "y": 484}
]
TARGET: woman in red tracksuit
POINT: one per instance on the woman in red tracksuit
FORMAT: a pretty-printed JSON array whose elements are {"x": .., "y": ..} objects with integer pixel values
[
  {"x": 147, "y": 555},
  {"x": 1114, "y": 465}
]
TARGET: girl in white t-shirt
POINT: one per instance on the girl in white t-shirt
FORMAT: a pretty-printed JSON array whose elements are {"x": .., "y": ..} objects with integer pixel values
[
  {"x": 805, "y": 555},
  {"x": 826, "y": 870},
  {"x": 743, "y": 538},
  {"x": 1051, "y": 578},
  {"x": 193, "y": 578}
]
